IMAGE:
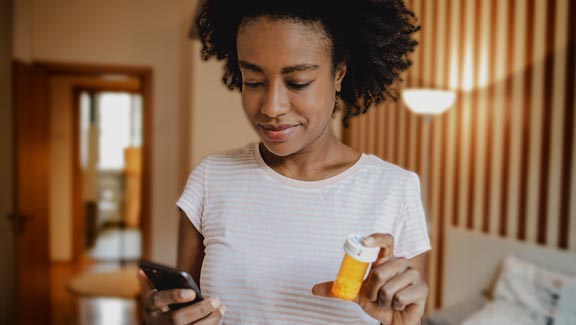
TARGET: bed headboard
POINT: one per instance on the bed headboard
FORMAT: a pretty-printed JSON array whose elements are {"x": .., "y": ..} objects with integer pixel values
[{"x": 472, "y": 260}]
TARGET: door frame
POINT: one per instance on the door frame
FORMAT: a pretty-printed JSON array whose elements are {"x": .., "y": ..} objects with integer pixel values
[
  {"x": 145, "y": 77},
  {"x": 78, "y": 216}
]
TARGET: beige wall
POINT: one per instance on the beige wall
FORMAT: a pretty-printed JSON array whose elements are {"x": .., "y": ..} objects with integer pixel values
[
  {"x": 218, "y": 121},
  {"x": 189, "y": 101},
  {"x": 6, "y": 166}
]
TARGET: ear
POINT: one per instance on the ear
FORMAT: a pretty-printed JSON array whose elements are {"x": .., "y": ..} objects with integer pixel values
[{"x": 339, "y": 76}]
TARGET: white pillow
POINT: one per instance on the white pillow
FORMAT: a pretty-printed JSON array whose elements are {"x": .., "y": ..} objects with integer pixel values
[
  {"x": 533, "y": 294},
  {"x": 503, "y": 312}
]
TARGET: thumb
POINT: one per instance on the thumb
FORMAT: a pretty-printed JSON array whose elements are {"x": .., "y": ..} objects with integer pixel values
[
  {"x": 143, "y": 279},
  {"x": 323, "y": 289}
]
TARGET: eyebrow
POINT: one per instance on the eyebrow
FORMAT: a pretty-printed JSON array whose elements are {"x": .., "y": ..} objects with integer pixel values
[{"x": 285, "y": 70}]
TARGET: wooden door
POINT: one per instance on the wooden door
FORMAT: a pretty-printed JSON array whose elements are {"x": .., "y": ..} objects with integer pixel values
[{"x": 32, "y": 139}]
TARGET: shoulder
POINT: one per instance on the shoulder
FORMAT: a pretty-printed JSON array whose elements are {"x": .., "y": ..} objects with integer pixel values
[
  {"x": 388, "y": 173},
  {"x": 242, "y": 156},
  {"x": 377, "y": 165}
]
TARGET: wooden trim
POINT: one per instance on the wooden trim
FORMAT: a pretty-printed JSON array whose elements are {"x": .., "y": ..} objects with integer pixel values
[
  {"x": 445, "y": 122},
  {"x": 416, "y": 120},
  {"x": 78, "y": 217},
  {"x": 78, "y": 212},
  {"x": 147, "y": 147},
  {"x": 473, "y": 127},
  {"x": 96, "y": 70},
  {"x": 506, "y": 147},
  {"x": 546, "y": 123},
  {"x": 458, "y": 112},
  {"x": 524, "y": 156},
  {"x": 399, "y": 110},
  {"x": 564, "y": 226},
  {"x": 432, "y": 122},
  {"x": 365, "y": 118},
  {"x": 407, "y": 119},
  {"x": 109, "y": 86},
  {"x": 377, "y": 128},
  {"x": 490, "y": 121}
]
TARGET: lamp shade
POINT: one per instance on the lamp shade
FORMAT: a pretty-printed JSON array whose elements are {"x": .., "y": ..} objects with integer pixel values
[{"x": 428, "y": 101}]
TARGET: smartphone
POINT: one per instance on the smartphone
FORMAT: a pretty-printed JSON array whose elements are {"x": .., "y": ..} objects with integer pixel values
[{"x": 165, "y": 277}]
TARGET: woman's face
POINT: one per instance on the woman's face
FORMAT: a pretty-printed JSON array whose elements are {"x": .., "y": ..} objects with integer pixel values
[{"x": 289, "y": 85}]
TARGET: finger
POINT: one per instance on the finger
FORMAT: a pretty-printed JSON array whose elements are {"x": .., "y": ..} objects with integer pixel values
[
  {"x": 195, "y": 312},
  {"x": 162, "y": 299},
  {"x": 214, "y": 318},
  {"x": 381, "y": 274},
  {"x": 376, "y": 311},
  {"x": 143, "y": 279},
  {"x": 151, "y": 304},
  {"x": 385, "y": 241},
  {"x": 388, "y": 292},
  {"x": 323, "y": 289},
  {"x": 411, "y": 295}
]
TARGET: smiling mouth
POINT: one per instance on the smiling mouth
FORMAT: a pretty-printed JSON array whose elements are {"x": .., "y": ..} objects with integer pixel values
[
  {"x": 278, "y": 133},
  {"x": 278, "y": 128}
]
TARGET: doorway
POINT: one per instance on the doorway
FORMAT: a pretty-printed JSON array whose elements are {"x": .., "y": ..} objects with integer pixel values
[
  {"x": 57, "y": 230},
  {"x": 109, "y": 156}
]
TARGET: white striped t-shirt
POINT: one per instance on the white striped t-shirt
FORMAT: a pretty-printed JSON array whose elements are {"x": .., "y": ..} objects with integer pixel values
[{"x": 270, "y": 238}]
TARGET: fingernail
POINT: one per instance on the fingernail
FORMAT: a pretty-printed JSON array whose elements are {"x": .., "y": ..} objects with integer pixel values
[
  {"x": 223, "y": 310},
  {"x": 187, "y": 294},
  {"x": 368, "y": 240},
  {"x": 314, "y": 289},
  {"x": 215, "y": 302}
]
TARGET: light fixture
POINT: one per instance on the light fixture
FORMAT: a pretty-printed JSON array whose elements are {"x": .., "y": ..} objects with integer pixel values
[{"x": 428, "y": 101}]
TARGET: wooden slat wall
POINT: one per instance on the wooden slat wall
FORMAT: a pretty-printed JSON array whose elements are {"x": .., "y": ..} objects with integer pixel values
[{"x": 502, "y": 160}]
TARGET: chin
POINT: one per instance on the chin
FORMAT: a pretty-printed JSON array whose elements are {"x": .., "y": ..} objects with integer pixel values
[{"x": 280, "y": 149}]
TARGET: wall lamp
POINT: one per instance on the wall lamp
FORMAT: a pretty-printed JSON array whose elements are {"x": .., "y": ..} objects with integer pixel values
[{"x": 428, "y": 101}]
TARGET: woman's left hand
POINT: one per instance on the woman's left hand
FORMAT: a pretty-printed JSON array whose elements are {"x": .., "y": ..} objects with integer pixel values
[{"x": 394, "y": 292}]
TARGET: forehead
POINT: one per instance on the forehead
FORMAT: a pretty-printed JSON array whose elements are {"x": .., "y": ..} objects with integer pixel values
[{"x": 282, "y": 42}]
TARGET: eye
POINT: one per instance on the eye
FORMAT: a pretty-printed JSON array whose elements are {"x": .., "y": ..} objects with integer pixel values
[
  {"x": 252, "y": 84},
  {"x": 299, "y": 86}
]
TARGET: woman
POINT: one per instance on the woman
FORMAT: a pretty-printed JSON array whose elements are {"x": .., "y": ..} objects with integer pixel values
[{"x": 262, "y": 227}]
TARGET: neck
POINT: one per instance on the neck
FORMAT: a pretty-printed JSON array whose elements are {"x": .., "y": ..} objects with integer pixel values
[{"x": 322, "y": 159}]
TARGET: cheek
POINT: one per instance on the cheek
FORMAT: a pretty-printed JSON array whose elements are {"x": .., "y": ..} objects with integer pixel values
[
  {"x": 250, "y": 105},
  {"x": 318, "y": 105}
]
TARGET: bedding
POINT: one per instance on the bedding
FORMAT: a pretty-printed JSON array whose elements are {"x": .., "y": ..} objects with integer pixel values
[
  {"x": 528, "y": 294},
  {"x": 456, "y": 314}
]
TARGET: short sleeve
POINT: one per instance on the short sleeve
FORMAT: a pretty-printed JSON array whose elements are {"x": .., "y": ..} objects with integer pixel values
[
  {"x": 192, "y": 199},
  {"x": 411, "y": 233}
]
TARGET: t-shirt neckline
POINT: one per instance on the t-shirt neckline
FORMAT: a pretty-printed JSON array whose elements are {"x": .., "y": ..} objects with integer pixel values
[{"x": 306, "y": 184}]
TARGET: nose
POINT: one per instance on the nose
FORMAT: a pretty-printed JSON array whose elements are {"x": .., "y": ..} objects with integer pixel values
[{"x": 275, "y": 102}]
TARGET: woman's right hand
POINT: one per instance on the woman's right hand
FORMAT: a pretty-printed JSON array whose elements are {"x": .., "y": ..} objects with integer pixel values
[{"x": 208, "y": 311}]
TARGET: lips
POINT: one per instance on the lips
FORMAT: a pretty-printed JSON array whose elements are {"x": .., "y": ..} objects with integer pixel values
[{"x": 278, "y": 132}]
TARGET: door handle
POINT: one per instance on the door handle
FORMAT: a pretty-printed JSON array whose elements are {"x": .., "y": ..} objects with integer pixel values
[{"x": 18, "y": 222}]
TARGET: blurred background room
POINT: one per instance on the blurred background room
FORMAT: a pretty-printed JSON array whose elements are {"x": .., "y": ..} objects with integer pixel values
[{"x": 106, "y": 106}]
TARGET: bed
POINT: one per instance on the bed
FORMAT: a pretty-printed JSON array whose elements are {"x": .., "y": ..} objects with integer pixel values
[{"x": 478, "y": 279}]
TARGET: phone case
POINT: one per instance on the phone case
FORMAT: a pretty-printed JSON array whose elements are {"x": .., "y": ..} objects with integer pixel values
[{"x": 164, "y": 277}]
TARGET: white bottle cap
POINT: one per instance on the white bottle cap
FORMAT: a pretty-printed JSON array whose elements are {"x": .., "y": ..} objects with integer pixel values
[{"x": 354, "y": 248}]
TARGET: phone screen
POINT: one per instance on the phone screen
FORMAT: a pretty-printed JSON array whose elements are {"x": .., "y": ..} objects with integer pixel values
[{"x": 164, "y": 278}]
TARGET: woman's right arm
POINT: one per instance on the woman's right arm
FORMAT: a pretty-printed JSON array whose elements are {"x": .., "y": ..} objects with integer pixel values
[
  {"x": 190, "y": 248},
  {"x": 190, "y": 257}
]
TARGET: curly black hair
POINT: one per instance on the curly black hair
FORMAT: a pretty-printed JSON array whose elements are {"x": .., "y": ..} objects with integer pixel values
[{"x": 373, "y": 37}]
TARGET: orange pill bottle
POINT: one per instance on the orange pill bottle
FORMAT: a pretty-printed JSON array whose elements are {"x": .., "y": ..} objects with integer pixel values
[{"x": 357, "y": 258}]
